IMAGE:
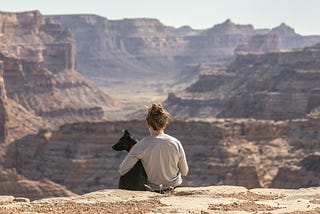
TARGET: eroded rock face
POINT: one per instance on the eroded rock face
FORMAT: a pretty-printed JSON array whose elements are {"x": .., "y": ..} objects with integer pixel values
[
  {"x": 146, "y": 47},
  {"x": 3, "y": 114},
  {"x": 11, "y": 183},
  {"x": 277, "y": 85},
  {"x": 38, "y": 63},
  {"x": 282, "y": 37},
  {"x": 250, "y": 153},
  {"x": 28, "y": 35},
  {"x": 15, "y": 120},
  {"x": 120, "y": 48}
]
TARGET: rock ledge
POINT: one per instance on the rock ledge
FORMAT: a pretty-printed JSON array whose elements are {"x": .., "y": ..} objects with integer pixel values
[{"x": 211, "y": 199}]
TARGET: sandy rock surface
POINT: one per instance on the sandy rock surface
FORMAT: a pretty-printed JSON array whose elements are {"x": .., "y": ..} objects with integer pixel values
[{"x": 212, "y": 199}]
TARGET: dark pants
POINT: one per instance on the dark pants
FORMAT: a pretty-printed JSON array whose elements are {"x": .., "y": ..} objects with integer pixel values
[{"x": 167, "y": 190}]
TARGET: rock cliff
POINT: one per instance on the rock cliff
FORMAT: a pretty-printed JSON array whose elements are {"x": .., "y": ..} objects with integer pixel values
[
  {"x": 145, "y": 54},
  {"x": 117, "y": 48},
  {"x": 211, "y": 199},
  {"x": 11, "y": 183},
  {"x": 3, "y": 112},
  {"x": 250, "y": 153},
  {"x": 38, "y": 71},
  {"x": 146, "y": 47},
  {"x": 15, "y": 120},
  {"x": 282, "y": 37},
  {"x": 275, "y": 85}
]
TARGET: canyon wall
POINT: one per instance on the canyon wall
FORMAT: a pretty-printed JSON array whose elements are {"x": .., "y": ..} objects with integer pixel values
[
  {"x": 3, "y": 114},
  {"x": 274, "y": 85},
  {"x": 11, "y": 183},
  {"x": 250, "y": 153},
  {"x": 147, "y": 48},
  {"x": 38, "y": 73},
  {"x": 282, "y": 37}
]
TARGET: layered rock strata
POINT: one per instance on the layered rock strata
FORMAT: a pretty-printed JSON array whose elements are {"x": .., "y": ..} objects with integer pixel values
[
  {"x": 38, "y": 63},
  {"x": 282, "y": 37},
  {"x": 147, "y": 48},
  {"x": 3, "y": 113},
  {"x": 11, "y": 183},
  {"x": 275, "y": 85},
  {"x": 250, "y": 153}
]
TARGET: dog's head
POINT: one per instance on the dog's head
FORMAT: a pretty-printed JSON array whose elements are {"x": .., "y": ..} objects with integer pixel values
[{"x": 125, "y": 142}]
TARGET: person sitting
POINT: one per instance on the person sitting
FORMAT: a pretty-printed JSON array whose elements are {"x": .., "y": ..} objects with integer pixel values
[{"x": 162, "y": 155}]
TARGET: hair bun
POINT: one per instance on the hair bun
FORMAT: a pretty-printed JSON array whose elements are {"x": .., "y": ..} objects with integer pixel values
[
  {"x": 157, "y": 109},
  {"x": 157, "y": 116}
]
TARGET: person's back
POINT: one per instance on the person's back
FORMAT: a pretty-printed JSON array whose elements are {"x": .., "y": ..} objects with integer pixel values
[{"x": 162, "y": 155}]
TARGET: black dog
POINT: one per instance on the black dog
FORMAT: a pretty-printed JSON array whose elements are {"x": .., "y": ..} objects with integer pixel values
[{"x": 136, "y": 178}]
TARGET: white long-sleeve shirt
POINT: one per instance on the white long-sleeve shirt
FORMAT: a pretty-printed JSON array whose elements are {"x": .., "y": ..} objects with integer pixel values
[{"x": 163, "y": 159}]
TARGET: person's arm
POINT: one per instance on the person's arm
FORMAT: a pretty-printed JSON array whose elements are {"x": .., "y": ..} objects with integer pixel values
[
  {"x": 131, "y": 159},
  {"x": 182, "y": 164},
  {"x": 127, "y": 164}
]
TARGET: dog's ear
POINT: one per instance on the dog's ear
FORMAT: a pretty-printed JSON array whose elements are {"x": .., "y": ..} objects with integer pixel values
[{"x": 126, "y": 132}]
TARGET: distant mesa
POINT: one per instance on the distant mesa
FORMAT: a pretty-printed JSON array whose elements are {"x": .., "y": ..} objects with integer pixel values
[
  {"x": 228, "y": 27},
  {"x": 283, "y": 30}
]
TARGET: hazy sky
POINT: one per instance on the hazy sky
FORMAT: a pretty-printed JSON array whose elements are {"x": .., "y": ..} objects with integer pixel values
[{"x": 302, "y": 15}]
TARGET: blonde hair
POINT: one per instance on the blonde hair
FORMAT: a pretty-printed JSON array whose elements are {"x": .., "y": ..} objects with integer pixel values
[{"x": 157, "y": 117}]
